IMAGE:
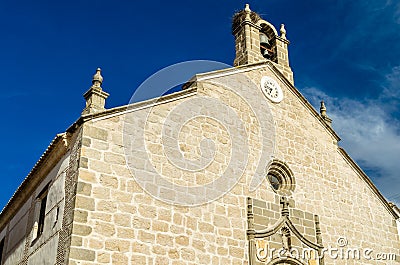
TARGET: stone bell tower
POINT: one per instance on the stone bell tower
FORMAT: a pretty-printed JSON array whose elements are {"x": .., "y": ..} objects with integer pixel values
[{"x": 258, "y": 41}]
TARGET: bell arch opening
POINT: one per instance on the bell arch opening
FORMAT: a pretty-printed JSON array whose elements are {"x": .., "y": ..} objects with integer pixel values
[{"x": 268, "y": 47}]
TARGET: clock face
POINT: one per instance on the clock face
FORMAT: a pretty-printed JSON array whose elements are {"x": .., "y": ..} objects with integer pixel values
[{"x": 271, "y": 89}]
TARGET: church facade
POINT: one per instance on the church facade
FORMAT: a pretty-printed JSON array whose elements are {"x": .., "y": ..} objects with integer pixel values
[{"x": 237, "y": 168}]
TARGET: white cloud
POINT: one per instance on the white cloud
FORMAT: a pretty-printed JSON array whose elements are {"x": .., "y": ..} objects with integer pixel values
[
  {"x": 368, "y": 132},
  {"x": 391, "y": 88}
]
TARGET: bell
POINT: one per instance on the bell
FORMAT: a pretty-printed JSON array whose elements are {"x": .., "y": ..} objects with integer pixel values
[
  {"x": 264, "y": 40},
  {"x": 266, "y": 54},
  {"x": 265, "y": 46}
]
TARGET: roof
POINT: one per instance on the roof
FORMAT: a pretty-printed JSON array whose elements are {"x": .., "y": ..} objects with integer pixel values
[{"x": 50, "y": 157}]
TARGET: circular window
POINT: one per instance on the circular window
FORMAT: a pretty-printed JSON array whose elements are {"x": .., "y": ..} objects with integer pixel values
[
  {"x": 280, "y": 178},
  {"x": 275, "y": 181}
]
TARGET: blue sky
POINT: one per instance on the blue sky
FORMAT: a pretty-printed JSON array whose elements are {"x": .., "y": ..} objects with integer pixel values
[{"x": 346, "y": 52}]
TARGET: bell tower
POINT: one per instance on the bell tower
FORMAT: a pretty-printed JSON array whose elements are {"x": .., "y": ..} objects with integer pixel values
[{"x": 257, "y": 40}]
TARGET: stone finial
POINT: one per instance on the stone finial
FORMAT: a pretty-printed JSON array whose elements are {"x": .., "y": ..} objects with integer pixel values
[
  {"x": 283, "y": 31},
  {"x": 247, "y": 8},
  {"x": 395, "y": 209},
  {"x": 95, "y": 97},
  {"x": 322, "y": 111},
  {"x": 97, "y": 78},
  {"x": 248, "y": 12}
]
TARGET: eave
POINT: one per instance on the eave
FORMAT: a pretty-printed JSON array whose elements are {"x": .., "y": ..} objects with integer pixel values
[{"x": 54, "y": 152}]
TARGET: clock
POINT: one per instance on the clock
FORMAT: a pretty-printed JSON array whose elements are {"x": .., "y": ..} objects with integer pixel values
[{"x": 271, "y": 89}]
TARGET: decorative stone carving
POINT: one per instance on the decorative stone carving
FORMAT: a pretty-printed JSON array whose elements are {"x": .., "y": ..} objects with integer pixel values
[{"x": 282, "y": 233}]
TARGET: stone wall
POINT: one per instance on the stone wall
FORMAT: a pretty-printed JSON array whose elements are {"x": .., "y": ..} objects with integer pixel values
[
  {"x": 20, "y": 246},
  {"x": 117, "y": 222}
]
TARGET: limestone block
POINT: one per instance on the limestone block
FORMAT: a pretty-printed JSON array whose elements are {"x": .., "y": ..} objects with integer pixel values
[
  {"x": 96, "y": 133},
  {"x": 82, "y": 254}
]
